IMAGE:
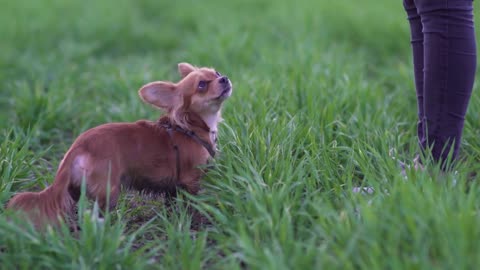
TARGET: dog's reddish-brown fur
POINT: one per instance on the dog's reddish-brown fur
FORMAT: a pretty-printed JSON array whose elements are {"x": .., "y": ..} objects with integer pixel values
[{"x": 139, "y": 155}]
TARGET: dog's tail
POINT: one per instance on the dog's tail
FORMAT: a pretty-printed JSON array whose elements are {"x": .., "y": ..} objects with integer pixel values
[{"x": 49, "y": 205}]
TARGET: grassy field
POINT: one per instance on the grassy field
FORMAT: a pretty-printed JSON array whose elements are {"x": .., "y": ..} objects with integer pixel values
[{"x": 323, "y": 95}]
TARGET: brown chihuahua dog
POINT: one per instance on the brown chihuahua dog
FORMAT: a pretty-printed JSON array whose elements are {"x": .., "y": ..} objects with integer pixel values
[{"x": 158, "y": 156}]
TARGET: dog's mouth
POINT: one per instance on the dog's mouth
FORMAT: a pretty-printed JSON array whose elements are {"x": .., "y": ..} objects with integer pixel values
[{"x": 225, "y": 93}]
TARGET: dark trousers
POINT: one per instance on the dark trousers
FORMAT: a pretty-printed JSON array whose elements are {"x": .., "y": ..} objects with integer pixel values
[{"x": 444, "y": 57}]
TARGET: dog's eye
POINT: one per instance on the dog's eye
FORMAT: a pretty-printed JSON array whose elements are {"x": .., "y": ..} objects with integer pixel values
[{"x": 202, "y": 85}]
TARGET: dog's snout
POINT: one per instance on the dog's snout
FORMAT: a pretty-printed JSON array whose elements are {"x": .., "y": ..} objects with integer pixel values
[{"x": 223, "y": 80}]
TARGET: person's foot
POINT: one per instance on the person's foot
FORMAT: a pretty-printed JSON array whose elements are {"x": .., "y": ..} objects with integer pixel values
[
  {"x": 363, "y": 190},
  {"x": 416, "y": 165}
]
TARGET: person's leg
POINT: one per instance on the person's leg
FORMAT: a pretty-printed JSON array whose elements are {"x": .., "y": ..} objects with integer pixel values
[
  {"x": 416, "y": 39},
  {"x": 449, "y": 72}
]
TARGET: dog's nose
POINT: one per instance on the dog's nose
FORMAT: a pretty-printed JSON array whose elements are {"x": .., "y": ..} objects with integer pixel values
[{"x": 224, "y": 80}]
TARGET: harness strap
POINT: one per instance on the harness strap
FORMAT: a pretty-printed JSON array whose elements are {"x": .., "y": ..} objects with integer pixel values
[
  {"x": 190, "y": 134},
  {"x": 177, "y": 154},
  {"x": 197, "y": 139}
]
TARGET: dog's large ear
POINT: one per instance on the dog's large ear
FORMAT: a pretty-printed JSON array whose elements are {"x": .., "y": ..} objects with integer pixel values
[
  {"x": 160, "y": 94},
  {"x": 185, "y": 68}
]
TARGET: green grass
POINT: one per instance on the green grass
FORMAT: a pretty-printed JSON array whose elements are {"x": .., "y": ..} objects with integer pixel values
[{"x": 323, "y": 93}]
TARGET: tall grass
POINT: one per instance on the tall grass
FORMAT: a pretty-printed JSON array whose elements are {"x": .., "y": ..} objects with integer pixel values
[{"x": 323, "y": 96}]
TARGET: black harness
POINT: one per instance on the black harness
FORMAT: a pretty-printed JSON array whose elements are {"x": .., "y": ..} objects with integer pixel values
[{"x": 170, "y": 129}]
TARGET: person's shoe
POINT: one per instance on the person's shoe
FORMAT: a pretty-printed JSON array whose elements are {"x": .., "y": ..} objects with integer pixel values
[
  {"x": 363, "y": 190},
  {"x": 416, "y": 164}
]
